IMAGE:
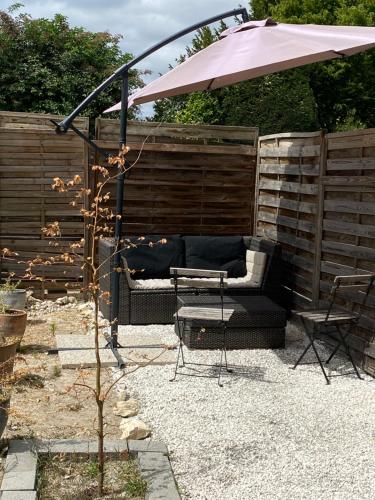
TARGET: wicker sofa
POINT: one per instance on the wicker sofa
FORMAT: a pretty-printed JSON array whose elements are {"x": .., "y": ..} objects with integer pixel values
[{"x": 143, "y": 306}]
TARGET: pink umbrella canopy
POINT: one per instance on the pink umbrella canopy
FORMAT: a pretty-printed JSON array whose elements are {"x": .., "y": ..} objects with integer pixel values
[{"x": 254, "y": 49}]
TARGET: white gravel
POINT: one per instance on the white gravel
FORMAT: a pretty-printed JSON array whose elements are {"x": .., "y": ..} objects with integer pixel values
[{"x": 269, "y": 433}]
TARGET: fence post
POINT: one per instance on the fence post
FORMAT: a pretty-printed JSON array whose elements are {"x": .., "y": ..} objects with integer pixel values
[{"x": 319, "y": 220}]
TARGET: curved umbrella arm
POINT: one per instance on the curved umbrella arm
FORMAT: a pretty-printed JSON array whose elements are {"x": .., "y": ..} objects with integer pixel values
[{"x": 63, "y": 126}]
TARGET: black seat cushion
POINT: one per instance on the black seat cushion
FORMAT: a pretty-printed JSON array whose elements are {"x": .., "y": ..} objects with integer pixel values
[
  {"x": 219, "y": 253},
  {"x": 152, "y": 260}
]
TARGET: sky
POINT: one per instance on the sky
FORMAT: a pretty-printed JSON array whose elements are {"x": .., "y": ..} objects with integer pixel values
[{"x": 142, "y": 23}]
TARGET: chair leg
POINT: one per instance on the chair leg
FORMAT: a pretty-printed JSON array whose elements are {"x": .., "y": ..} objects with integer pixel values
[
  {"x": 220, "y": 366},
  {"x": 177, "y": 361},
  {"x": 229, "y": 370},
  {"x": 336, "y": 348},
  {"x": 320, "y": 363},
  {"x": 312, "y": 345},
  {"x": 333, "y": 353},
  {"x": 346, "y": 347},
  {"x": 302, "y": 356},
  {"x": 180, "y": 351},
  {"x": 223, "y": 352}
]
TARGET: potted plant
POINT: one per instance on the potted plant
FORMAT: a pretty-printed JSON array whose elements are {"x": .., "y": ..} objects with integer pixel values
[
  {"x": 12, "y": 322},
  {"x": 11, "y": 295},
  {"x": 8, "y": 347}
]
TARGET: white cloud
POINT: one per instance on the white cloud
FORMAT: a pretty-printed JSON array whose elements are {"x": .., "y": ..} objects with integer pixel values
[{"x": 142, "y": 23}]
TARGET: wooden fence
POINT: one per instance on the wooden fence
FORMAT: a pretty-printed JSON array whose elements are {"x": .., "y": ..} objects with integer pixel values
[
  {"x": 188, "y": 179},
  {"x": 31, "y": 154},
  {"x": 316, "y": 196}
]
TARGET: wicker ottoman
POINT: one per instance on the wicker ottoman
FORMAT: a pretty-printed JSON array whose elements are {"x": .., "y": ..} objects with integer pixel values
[{"x": 257, "y": 323}]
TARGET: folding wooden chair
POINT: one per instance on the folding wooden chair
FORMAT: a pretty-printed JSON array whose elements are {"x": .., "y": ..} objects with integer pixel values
[
  {"x": 214, "y": 316},
  {"x": 342, "y": 320}
]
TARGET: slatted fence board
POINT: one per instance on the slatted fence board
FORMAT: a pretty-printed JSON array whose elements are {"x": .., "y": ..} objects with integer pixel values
[
  {"x": 287, "y": 193},
  {"x": 186, "y": 179},
  {"x": 348, "y": 238},
  {"x": 31, "y": 154}
]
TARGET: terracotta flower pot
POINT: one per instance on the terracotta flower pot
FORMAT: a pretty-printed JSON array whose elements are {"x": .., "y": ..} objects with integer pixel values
[{"x": 13, "y": 323}]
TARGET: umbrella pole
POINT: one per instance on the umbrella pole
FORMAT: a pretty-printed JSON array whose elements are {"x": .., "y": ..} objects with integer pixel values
[
  {"x": 119, "y": 214},
  {"x": 63, "y": 126}
]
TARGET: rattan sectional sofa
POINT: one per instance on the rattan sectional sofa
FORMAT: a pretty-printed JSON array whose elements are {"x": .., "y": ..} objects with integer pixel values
[{"x": 155, "y": 303}]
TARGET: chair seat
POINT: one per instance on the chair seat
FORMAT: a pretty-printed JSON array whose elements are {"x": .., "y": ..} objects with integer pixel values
[
  {"x": 205, "y": 313},
  {"x": 320, "y": 315}
]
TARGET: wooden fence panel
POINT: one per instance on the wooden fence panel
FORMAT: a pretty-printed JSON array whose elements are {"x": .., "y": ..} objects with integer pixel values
[
  {"x": 186, "y": 179},
  {"x": 31, "y": 154},
  {"x": 316, "y": 196},
  {"x": 287, "y": 204},
  {"x": 348, "y": 223}
]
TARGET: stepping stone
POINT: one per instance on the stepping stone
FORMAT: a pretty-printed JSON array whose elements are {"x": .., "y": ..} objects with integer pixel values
[
  {"x": 85, "y": 358},
  {"x": 18, "y": 495},
  {"x": 20, "y": 467},
  {"x": 135, "y": 356},
  {"x": 78, "y": 342},
  {"x": 78, "y": 351},
  {"x": 138, "y": 339}
]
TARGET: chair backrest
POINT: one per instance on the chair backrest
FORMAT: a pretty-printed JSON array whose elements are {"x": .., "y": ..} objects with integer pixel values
[
  {"x": 194, "y": 278},
  {"x": 349, "y": 285},
  {"x": 199, "y": 278}
]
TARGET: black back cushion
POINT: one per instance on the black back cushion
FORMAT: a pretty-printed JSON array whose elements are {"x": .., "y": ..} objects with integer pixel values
[
  {"x": 219, "y": 253},
  {"x": 152, "y": 260}
]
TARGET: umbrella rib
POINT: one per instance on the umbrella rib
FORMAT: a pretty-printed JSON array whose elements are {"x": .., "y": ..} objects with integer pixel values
[
  {"x": 210, "y": 84},
  {"x": 342, "y": 54}
]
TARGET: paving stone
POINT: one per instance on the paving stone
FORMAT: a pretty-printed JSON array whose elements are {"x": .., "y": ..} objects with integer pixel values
[
  {"x": 20, "y": 466},
  {"x": 138, "y": 340},
  {"x": 135, "y": 356},
  {"x": 160, "y": 485},
  {"x": 153, "y": 461},
  {"x": 18, "y": 495},
  {"x": 57, "y": 446},
  {"x": 77, "y": 351},
  {"x": 85, "y": 358},
  {"x": 78, "y": 342}
]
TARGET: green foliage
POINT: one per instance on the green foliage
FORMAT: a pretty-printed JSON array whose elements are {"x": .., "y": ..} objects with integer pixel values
[
  {"x": 201, "y": 107},
  {"x": 9, "y": 286},
  {"x": 280, "y": 102},
  {"x": 3, "y": 307},
  {"x": 92, "y": 469},
  {"x": 343, "y": 89},
  {"x": 48, "y": 66}
]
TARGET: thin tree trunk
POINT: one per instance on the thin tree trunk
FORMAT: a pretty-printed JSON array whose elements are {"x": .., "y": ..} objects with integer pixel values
[{"x": 99, "y": 401}]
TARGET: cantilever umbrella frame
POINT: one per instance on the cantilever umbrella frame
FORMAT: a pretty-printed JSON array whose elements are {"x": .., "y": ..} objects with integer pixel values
[{"x": 66, "y": 124}]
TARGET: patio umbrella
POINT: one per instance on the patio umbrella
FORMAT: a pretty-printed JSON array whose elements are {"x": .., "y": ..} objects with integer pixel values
[{"x": 254, "y": 49}]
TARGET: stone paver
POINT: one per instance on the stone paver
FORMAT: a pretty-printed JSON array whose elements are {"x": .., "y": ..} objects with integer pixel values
[
  {"x": 152, "y": 461},
  {"x": 160, "y": 485},
  {"x": 78, "y": 342},
  {"x": 138, "y": 356},
  {"x": 18, "y": 495},
  {"x": 77, "y": 351},
  {"x": 57, "y": 446},
  {"x": 20, "y": 466},
  {"x": 85, "y": 358}
]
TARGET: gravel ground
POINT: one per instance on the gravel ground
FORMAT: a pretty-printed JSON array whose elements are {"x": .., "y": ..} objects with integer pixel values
[{"x": 270, "y": 432}]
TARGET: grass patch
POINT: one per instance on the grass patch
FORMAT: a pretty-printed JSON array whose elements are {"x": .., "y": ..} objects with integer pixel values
[
  {"x": 64, "y": 478},
  {"x": 56, "y": 371}
]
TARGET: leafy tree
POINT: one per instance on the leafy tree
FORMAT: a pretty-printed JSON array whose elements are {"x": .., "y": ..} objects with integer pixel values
[
  {"x": 343, "y": 88},
  {"x": 48, "y": 66}
]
